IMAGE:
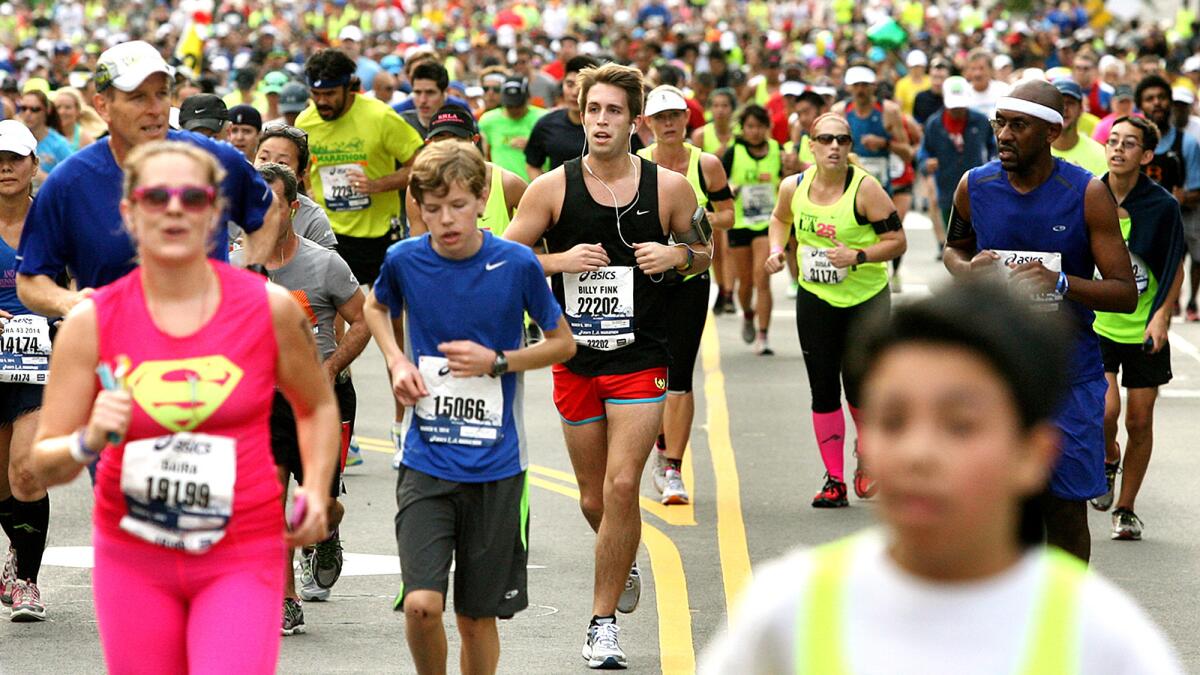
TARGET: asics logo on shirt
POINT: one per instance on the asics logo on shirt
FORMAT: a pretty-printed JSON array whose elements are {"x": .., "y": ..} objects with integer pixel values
[{"x": 491, "y": 266}]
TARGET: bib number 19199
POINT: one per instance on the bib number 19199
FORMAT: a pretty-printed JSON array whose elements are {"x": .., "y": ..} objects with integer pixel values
[{"x": 177, "y": 493}]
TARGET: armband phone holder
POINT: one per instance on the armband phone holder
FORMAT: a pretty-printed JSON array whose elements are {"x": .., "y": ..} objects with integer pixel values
[{"x": 701, "y": 228}]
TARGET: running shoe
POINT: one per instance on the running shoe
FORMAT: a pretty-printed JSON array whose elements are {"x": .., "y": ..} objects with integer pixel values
[
  {"x": 327, "y": 561},
  {"x": 749, "y": 332},
  {"x": 762, "y": 347},
  {"x": 8, "y": 577},
  {"x": 895, "y": 284},
  {"x": 293, "y": 617},
  {"x": 723, "y": 304},
  {"x": 864, "y": 487},
  {"x": 633, "y": 591},
  {"x": 1126, "y": 525},
  {"x": 309, "y": 589},
  {"x": 1192, "y": 315},
  {"x": 601, "y": 650},
  {"x": 1105, "y": 501},
  {"x": 658, "y": 472},
  {"x": 674, "y": 491},
  {"x": 354, "y": 453},
  {"x": 793, "y": 289},
  {"x": 27, "y": 603},
  {"x": 832, "y": 496}
]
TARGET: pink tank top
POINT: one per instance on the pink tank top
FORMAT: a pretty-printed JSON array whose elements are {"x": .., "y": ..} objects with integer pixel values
[{"x": 219, "y": 380}]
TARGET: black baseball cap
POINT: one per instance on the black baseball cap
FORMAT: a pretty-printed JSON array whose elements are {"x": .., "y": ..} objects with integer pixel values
[
  {"x": 293, "y": 98},
  {"x": 452, "y": 119},
  {"x": 203, "y": 110},
  {"x": 514, "y": 92},
  {"x": 246, "y": 114}
]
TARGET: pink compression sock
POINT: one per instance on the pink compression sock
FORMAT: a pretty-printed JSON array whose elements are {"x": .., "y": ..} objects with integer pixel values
[{"x": 830, "y": 428}]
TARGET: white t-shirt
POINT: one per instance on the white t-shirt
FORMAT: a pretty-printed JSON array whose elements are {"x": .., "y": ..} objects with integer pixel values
[
  {"x": 897, "y": 623},
  {"x": 985, "y": 101}
]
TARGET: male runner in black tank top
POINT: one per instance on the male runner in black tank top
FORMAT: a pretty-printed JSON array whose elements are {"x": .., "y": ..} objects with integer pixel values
[{"x": 606, "y": 218}]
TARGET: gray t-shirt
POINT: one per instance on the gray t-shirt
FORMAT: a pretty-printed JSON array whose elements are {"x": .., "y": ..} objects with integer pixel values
[{"x": 312, "y": 223}]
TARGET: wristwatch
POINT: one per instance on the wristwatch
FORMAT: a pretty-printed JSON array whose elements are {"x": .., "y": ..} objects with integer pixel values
[
  {"x": 500, "y": 365},
  {"x": 861, "y": 258}
]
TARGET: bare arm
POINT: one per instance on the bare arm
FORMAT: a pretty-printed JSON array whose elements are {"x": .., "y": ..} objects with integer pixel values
[
  {"x": 397, "y": 180},
  {"x": 1160, "y": 323},
  {"x": 514, "y": 188},
  {"x": 1116, "y": 291},
  {"x": 715, "y": 178},
  {"x": 781, "y": 226},
  {"x": 412, "y": 211},
  {"x": 40, "y": 294},
  {"x": 537, "y": 212},
  {"x": 874, "y": 203},
  {"x": 697, "y": 137},
  {"x": 471, "y": 359},
  {"x": 959, "y": 256},
  {"x": 354, "y": 340},
  {"x": 893, "y": 121},
  {"x": 533, "y": 171}
]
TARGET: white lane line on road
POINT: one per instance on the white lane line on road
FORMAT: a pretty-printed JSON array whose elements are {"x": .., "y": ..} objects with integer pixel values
[{"x": 1182, "y": 344}]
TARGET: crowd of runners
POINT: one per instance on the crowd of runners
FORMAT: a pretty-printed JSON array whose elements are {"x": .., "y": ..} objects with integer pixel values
[{"x": 205, "y": 218}]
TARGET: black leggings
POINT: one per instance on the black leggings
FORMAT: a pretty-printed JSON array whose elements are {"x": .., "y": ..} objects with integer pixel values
[
  {"x": 824, "y": 330},
  {"x": 689, "y": 311}
]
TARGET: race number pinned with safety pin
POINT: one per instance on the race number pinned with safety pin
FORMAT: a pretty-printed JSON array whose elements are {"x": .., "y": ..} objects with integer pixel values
[
  {"x": 758, "y": 200},
  {"x": 337, "y": 185},
  {"x": 600, "y": 307},
  {"x": 1009, "y": 260},
  {"x": 459, "y": 410},
  {"x": 25, "y": 349},
  {"x": 817, "y": 268}
]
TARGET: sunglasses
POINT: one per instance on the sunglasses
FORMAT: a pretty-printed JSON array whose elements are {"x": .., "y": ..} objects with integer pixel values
[
  {"x": 829, "y": 139},
  {"x": 156, "y": 198},
  {"x": 29, "y": 108},
  {"x": 492, "y": 90},
  {"x": 286, "y": 130}
]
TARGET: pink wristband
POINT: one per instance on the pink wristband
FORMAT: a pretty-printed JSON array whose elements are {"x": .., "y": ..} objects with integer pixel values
[{"x": 776, "y": 249}]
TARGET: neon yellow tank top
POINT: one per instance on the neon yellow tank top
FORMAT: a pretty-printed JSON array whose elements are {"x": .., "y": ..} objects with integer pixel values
[
  {"x": 1130, "y": 328},
  {"x": 495, "y": 212},
  {"x": 755, "y": 198},
  {"x": 817, "y": 225},
  {"x": 693, "y": 169},
  {"x": 1052, "y": 630}
]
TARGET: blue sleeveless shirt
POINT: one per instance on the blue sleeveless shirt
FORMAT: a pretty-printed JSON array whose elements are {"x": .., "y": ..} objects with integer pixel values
[
  {"x": 1047, "y": 219},
  {"x": 8, "y": 281}
]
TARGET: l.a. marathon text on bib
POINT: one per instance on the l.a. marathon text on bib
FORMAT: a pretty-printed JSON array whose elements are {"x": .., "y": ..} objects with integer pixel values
[
  {"x": 1052, "y": 261},
  {"x": 339, "y": 194},
  {"x": 459, "y": 410},
  {"x": 817, "y": 269},
  {"x": 25, "y": 349},
  {"x": 179, "y": 489},
  {"x": 877, "y": 167},
  {"x": 757, "y": 202},
  {"x": 600, "y": 307}
]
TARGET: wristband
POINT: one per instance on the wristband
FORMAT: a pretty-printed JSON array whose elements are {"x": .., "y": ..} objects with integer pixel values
[
  {"x": 691, "y": 258},
  {"x": 1063, "y": 285},
  {"x": 80, "y": 452},
  {"x": 775, "y": 250}
]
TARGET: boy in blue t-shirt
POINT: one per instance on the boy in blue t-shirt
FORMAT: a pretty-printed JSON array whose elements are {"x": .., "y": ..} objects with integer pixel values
[{"x": 462, "y": 490}]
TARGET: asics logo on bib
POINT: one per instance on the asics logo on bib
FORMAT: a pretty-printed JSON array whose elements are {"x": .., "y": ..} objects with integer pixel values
[
  {"x": 1019, "y": 259},
  {"x": 598, "y": 275},
  {"x": 185, "y": 446},
  {"x": 491, "y": 266},
  {"x": 181, "y": 394}
]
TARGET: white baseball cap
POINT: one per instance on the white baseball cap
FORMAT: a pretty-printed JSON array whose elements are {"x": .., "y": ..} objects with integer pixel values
[
  {"x": 16, "y": 137},
  {"x": 916, "y": 58},
  {"x": 1001, "y": 61},
  {"x": 791, "y": 88},
  {"x": 1190, "y": 65},
  {"x": 126, "y": 65},
  {"x": 955, "y": 92},
  {"x": 1183, "y": 95},
  {"x": 350, "y": 32},
  {"x": 859, "y": 75},
  {"x": 663, "y": 98}
]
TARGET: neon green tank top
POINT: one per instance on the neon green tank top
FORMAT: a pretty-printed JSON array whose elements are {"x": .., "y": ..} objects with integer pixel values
[
  {"x": 1130, "y": 328},
  {"x": 693, "y": 169},
  {"x": 816, "y": 226},
  {"x": 495, "y": 212},
  {"x": 1052, "y": 631},
  {"x": 755, "y": 200}
]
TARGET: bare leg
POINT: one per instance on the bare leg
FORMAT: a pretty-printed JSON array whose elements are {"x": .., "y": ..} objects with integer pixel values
[
  {"x": 587, "y": 444},
  {"x": 289, "y": 572},
  {"x": 1112, "y": 413},
  {"x": 677, "y": 423},
  {"x": 1139, "y": 424},
  {"x": 721, "y": 271},
  {"x": 480, "y": 653},
  {"x": 793, "y": 266},
  {"x": 743, "y": 263},
  {"x": 424, "y": 631},
  {"x": 762, "y": 282}
]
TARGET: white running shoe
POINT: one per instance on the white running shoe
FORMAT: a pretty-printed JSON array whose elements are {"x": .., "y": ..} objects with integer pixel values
[
  {"x": 27, "y": 602},
  {"x": 633, "y": 591},
  {"x": 674, "y": 492},
  {"x": 601, "y": 650},
  {"x": 657, "y": 473}
]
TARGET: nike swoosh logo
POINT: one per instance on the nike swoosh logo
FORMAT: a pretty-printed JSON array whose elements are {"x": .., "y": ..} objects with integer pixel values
[
  {"x": 642, "y": 213},
  {"x": 198, "y": 111},
  {"x": 491, "y": 266}
]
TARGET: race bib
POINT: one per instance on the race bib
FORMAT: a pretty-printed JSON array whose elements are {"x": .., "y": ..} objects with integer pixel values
[
  {"x": 459, "y": 410},
  {"x": 25, "y": 349},
  {"x": 896, "y": 166},
  {"x": 1048, "y": 301},
  {"x": 815, "y": 265},
  {"x": 757, "y": 202},
  {"x": 179, "y": 489},
  {"x": 600, "y": 307},
  {"x": 877, "y": 167},
  {"x": 339, "y": 194}
]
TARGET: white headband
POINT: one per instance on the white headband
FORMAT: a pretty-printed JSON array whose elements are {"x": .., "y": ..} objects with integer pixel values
[{"x": 1030, "y": 108}]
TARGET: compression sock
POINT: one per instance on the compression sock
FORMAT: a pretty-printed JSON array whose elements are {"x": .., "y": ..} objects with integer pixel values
[
  {"x": 6, "y": 515},
  {"x": 30, "y": 521},
  {"x": 830, "y": 428}
]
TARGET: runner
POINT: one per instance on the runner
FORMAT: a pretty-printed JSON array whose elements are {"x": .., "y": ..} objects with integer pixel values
[
  {"x": 1053, "y": 226},
  {"x": 504, "y": 188},
  {"x": 606, "y": 219},
  {"x": 667, "y": 112},
  {"x": 288, "y": 145},
  {"x": 754, "y": 164},
  {"x": 206, "y": 115},
  {"x": 24, "y": 504},
  {"x": 38, "y": 114},
  {"x": 245, "y": 124},
  {"x": 847, "y": 229},
  {"x": 1136, "y": 344},
  {"x": 959, "y": 419},
  {"x": 462, "y": 490},
  {"x": 876, "y": 126},
  {"x": 1072, "y": 144},
  {"x": 323, "y": 285},
  {"x": 558, "y": 135},
  {"x": 185, "y": 486},
  {"x": 715, "y": 138}
]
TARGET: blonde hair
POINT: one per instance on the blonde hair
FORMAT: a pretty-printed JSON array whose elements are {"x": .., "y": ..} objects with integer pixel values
[
  {"x": 440, "y": 165},
  {"x": 623, "y": 77},
  {"x": 89, "y": 120},
  {"x": 137, "y": 159}
]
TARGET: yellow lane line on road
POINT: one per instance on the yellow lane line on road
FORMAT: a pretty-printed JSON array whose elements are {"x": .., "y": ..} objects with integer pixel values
[{"x": 731, "y": 528}]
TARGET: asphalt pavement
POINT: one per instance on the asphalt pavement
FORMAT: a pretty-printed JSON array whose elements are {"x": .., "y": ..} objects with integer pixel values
[{"x": 752, "y": 470}]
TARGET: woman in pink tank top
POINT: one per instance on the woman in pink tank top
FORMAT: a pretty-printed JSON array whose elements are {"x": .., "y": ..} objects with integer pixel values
[{"x": 187, "y": 517}]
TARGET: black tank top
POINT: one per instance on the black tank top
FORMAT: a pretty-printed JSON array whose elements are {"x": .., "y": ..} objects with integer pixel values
[
  {"x": 618, "y": 314},
  {"x": 1168, "y": 169}
]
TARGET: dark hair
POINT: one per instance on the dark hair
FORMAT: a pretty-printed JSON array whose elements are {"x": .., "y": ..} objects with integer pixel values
[
  {"x": 670, "y": 75},
  {"x": 578, "y": 63},
  {"x": 293, "y": 134},
  {"x": 272, "y": 172},
  {"x": 812, "y": 98},
  {"x": 1149, "y": 130},
  {"x": 706, "y": 79},
  {"x": 727, "y": 93},
  {"x": 1150, "y": 82},
  {"x": 246, "y": 77},
  {"x": 432, "y": 70},
  {"x": 329, "y": 64},
  {"x": 757, "y": 112}
]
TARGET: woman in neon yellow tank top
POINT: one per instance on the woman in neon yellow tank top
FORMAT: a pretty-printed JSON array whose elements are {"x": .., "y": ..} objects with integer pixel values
[
  {"x": 959, "y": 417},
  {"x": 714, "y": 138},
  {"x": 666, "y": 113},
  {"x": 846, "y": 229}
]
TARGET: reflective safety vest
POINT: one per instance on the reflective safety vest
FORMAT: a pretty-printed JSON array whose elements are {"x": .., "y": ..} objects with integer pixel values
[{"x": 1052, "y": 647}]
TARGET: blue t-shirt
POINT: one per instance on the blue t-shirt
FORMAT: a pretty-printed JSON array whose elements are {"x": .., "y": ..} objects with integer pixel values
[
  {"x": 1191, "y": 156},
  {"x": 407, "y": 104},
  {"x": 75, "y": 221},
  {"x": 52, "y": 150},
  {"x": 483, "y": 299},
  {"x": 9, "y": 301}
]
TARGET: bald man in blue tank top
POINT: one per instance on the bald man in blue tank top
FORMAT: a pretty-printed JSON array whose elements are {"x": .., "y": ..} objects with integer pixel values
[{"x": 1047, "y": 226}]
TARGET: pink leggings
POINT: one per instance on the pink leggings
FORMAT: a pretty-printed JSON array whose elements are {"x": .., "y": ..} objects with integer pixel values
[{"x": 164, "y": 611}]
